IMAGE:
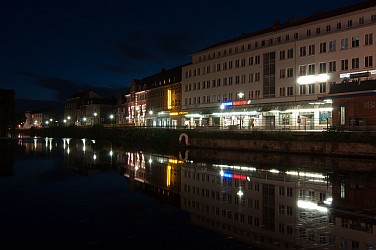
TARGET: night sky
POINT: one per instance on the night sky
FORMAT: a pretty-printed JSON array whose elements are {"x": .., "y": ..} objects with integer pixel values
[{"x": 50, "y": 50}]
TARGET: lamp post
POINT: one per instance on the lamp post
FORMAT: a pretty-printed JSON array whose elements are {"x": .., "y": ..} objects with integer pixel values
[
  {"x": 95, "y": 117},
  {"x": 111, "y": 118},
  {"x": 240, "y": 95}
]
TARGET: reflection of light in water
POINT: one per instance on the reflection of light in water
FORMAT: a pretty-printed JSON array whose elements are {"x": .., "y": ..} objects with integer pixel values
[
  {"x": 46, "y": 141},
  {"x": 150, "y": 161},
  {"x": 64, "y": 142},
  {"x": 84, "y": 144},
  {"x": 311, "y": 206},
  {"x": 68, "y": 150},
  {"x": 93, "y": 141},
  {"x": 111, "y": 153},
  {"x": 35, "y": 142},
  {"x": 50, "y": 142},
  {"x": 94, "y": 156}
]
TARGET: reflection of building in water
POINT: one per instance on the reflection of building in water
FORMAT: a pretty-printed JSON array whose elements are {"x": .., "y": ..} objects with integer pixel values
[
  {"x": 86, "y": 157},
  {"x": 267, "y": 208},
  {"x": 354, "y": 203},
  {"x": 157, "y": 175}
]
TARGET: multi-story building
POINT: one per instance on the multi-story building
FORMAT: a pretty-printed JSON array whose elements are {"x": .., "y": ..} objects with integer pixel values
[
  {"x": 156, "y": 100},
  {"x": 88, "y": 108},
  {"x": 280, "y": 77}
]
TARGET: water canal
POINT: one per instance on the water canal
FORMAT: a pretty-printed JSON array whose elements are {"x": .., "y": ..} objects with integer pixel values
[{"x": 61, "y": 193}]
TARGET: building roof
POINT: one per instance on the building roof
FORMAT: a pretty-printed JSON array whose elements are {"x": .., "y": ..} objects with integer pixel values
[{"x": 277, "y": 26}]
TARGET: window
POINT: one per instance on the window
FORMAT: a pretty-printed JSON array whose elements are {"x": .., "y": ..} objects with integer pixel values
[
  {"x": 302, "y": 89},
  {"x": 344, "y": 43},
  {"x": 257, "y": 76},
  {"x": 368, "y": 61},
  {"x": 296, "y": 35},
  {"x": 332, "y": 46},
  {"x": 368, "y": 39},
  {"x": 311, "y": 49},
  {"x": 311, "y": 69},
  {"x": 344, "y": 64},
  {"x": 373, "y": 18},
  {"x": 349, "y": 23},
  {"x": 290, "y": 53},
  {"x": 328, "y": 28},
  {"x": 317, "y": 31},
  {"x": 302, "y": 70},
  {"x": 339, "y": 26},
  {"x": 282, "y": 55},
  {"x": 308, "y": 32},
  {"x": 282, "y": 73},
  {"x": 257, "y": 60},
  {"x": 311, "y": 88},
  {"x": 355, "y": 63},
  {"x": 323, "y": 47},
  {"x": 322, "y": 68},
  {"x": 323, "y": 87},
  {"x": 282, "y": 92},
  {"x": 230, "y": 80},
  {"x": 332, "y": 66},
  {"x": 290, "y": 91},
  {"x": 361, "y": 20},
  {"x": 290, "y": 72},
  {"x": 355, "y": 41},
  {"x": 250, "y": 60},
  {"x": 303, "y": 51}
]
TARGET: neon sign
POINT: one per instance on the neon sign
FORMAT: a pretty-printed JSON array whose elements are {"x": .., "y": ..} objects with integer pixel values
[
  {"x": 234, "y": 176},
  {"x": 236, "y": 103}
]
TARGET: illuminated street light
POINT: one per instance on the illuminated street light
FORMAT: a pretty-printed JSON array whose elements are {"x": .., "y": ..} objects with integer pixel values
[
  {"x": 95, "y": 117},
  {"x": 111, "y": 118},
  {"x": 241, "y": 95}
]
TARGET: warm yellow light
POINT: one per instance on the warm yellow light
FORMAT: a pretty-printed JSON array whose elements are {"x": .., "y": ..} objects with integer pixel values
[
  {"x": 169, "y": 98},
  {"x": 168, "y": 175}
]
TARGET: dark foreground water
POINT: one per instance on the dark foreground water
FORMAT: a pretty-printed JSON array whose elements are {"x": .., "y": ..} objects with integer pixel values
[
  {"x": 46, "y": 201},
  {"x": 77, "y": 194}
]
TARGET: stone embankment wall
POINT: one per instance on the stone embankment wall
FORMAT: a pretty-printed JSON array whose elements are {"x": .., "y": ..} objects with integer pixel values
[{"x": 301, "y": 147}]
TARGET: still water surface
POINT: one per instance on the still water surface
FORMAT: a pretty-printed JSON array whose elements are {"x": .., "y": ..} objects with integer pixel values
[{"x": 83, "y": 194}]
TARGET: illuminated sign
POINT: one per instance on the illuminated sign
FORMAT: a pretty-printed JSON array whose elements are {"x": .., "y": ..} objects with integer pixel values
[
  {"x": 178, "y": 113},
  {"x": 236, "y": 103},
  {"x": 234, "y": 176}
]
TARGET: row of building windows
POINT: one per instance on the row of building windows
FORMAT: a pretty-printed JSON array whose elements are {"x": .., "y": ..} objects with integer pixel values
[
  {"x": 323, "y": 66},
  {"x": 368, "y": 40},
  {"x": 272, "y": 41}
]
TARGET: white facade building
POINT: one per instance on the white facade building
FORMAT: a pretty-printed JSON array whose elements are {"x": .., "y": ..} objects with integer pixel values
[{"x": 278, "y": 78}]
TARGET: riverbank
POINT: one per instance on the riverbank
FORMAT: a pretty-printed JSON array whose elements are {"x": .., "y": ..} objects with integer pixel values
[{"x": 331, "y": 143}]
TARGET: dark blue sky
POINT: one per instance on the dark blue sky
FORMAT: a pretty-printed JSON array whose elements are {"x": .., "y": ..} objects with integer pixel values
[{"x": 50, "y": 50}]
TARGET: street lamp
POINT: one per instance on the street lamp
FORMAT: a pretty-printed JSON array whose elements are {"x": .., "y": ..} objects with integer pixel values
[
  {"x": 241, "y": 95},
  {"x": 95, "y": 116},
  {"x": 111, "y": 118}
]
